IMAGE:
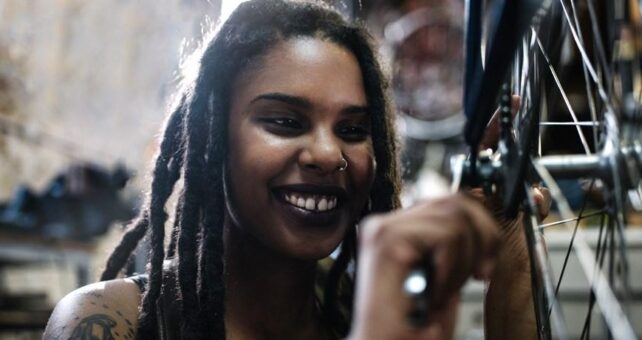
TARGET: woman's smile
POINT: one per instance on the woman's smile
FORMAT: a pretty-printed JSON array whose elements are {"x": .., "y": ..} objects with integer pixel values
[
  {"x": 301, "y": 161},
  {"x": 313, "y": 205}
]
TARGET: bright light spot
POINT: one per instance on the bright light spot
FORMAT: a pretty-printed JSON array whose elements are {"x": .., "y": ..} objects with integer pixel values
[
  {"x": 415, "y": 283},
  {"x": 227, "y": 7}
]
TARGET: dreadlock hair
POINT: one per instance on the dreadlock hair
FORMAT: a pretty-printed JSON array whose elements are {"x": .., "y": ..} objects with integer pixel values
[{"x": 194, "y": 147}]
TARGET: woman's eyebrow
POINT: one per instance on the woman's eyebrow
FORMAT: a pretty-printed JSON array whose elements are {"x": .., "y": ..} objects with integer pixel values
[
  {"x": 355, "y": 109},
  {"x": 285, "y": 98},
  {"x": 304, "y": 103}
]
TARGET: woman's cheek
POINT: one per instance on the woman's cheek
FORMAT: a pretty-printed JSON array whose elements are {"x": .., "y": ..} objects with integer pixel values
[
  {"x": 371, "y": 164},
  {"x": 364, "y": 169}
]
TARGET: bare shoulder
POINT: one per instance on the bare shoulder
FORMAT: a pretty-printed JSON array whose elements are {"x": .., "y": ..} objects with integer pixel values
[{"x": 103, "y": 310}]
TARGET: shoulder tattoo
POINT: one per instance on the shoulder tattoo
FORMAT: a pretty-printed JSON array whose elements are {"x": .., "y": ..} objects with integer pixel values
[
  {"x": 106, "y": 323},
  {"x": 94, "y": 327}
]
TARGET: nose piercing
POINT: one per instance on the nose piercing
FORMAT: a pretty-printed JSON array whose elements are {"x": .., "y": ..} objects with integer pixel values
[{"x": 344, "y": 165}]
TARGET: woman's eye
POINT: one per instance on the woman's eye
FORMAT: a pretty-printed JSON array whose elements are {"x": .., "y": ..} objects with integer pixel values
[
  {"x": 286, "y": 122},
  {"x": 283, "y": 125},
  {"x": 354, "y": 133}
]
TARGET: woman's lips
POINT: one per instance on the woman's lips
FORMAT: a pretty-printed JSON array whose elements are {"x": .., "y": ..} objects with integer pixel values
[
  {"x": 310, "y": 202},
  {"x": 311, "y": 205}
]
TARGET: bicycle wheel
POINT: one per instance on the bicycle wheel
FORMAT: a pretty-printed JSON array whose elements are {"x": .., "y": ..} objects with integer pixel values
[{"x": 547, "y": 57}]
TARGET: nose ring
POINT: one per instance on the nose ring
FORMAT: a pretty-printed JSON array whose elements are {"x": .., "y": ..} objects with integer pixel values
[{"x": 344, "y": 165}]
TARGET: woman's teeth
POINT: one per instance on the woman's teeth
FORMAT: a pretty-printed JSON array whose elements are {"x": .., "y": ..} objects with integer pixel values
[{"x": 311, "y": 202}]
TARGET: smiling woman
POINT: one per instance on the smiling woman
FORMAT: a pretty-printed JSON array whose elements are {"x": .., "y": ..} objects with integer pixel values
[
  {"x": 285, "y": 143},
  {"x": 290, "y": 134}
]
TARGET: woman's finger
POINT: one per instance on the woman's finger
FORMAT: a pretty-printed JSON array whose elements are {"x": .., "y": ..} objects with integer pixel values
[
  {"x": 467, "y": 247},
  {"x": 543, "y": 201},
  {"x": 456, "y": 233}
]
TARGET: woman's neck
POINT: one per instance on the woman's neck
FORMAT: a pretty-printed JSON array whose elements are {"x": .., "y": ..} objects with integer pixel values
[{"x": 268, "y": 295}]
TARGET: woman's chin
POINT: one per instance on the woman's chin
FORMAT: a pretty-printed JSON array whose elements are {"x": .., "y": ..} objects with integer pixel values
[{"x": 312, "y": 252}]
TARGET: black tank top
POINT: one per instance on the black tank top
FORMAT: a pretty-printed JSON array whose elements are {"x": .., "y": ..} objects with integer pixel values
[{"x": 168, "y": 308}]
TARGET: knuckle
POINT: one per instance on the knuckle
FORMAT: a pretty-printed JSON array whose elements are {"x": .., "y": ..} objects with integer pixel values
[
  {"x": 401, "y": 253},
  {"x": 381, "y": 237},
  {"x": 374, "y": 230},
  {"x": 448, "y": 205}
]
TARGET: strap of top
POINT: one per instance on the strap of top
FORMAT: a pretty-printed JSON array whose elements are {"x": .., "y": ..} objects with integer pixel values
[
  {"x": 141, "y": 281},
  {"x": 168, "y": 306}
]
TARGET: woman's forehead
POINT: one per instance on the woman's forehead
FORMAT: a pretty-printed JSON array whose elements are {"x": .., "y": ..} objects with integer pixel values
[{"x": 309, "y": 67}]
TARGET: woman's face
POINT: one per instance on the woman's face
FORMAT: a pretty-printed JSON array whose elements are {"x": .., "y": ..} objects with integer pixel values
[{"x": 293, "y": 121}]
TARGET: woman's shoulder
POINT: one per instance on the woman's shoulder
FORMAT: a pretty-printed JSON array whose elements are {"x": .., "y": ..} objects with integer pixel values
[{"x": 103, "y": 310}]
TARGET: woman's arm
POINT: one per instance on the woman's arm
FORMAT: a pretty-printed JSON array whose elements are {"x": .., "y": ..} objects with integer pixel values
[
  {"x": 509, "y": 311},
  {"x": 103, "y": 310}
]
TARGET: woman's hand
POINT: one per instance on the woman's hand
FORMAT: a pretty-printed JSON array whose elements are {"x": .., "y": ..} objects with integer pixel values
[
  {"x": 455, "y": 233},
  {"x": 509, "y": 312}
]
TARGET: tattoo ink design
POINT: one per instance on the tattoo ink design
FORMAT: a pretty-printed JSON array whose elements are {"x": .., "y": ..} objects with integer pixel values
[{"x": 95, "y": 327}]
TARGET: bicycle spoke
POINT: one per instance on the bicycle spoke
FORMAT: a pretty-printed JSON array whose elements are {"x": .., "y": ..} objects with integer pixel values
[
  {"x": 623, "y": 263},
  {"x": 611, "y": 310},
  {"x": 570, "y": 109},
  {"x": 599, "y": 258},
  {"x": 581, "y": 217},
  {"x": 525, "y": 74},
  {"x": 597, "y": 39},
  {"x": 611, "y": 261},
  {"x": 570, "y": 246},
  {"x": 589, "y": 123},
  {"x": 589, "y": 92},
  {"x": 586, "y": 60}
]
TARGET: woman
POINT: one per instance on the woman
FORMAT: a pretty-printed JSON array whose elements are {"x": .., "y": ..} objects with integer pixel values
[{"x": 284, "y": 143}]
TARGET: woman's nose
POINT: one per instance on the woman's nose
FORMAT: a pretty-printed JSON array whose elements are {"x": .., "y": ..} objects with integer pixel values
[{"x": 322, "y": 154}]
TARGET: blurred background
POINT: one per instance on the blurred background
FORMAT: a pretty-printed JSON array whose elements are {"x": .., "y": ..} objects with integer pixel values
[{"x": 83, "y": 90}]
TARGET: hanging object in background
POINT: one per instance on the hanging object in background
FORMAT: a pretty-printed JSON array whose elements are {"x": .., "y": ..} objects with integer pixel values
[
  {"x": 424, "y": 44},
  {"x": 427, "y": 62},
  {"x": 79, "y": 204}
]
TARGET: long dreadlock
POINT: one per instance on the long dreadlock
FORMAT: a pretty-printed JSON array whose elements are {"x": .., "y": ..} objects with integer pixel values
[{"x": 194, "y": 147}]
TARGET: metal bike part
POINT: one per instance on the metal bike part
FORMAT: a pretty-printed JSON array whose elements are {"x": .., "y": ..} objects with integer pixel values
[
  {"x": 416, "y": 287},
  {"x": 483, "y": 81}
]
